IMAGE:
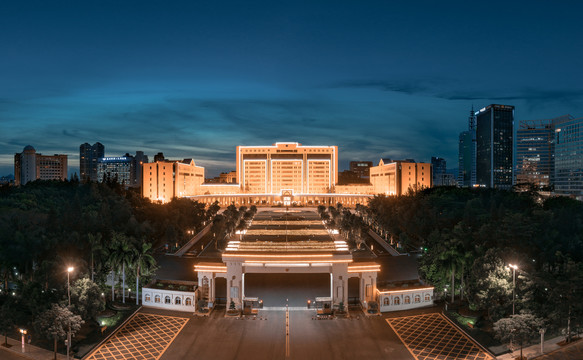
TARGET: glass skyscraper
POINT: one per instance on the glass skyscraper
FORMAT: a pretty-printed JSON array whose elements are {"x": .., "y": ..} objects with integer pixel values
[
  {"x": 494, "y": 146},
  {"x": 569, "y": 157},
  {"x": 467, "y": 154},
  {"x": 88, "y": 158}
]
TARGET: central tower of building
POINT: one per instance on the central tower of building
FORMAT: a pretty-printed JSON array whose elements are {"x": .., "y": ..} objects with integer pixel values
[{"x": 287, "y": 167}]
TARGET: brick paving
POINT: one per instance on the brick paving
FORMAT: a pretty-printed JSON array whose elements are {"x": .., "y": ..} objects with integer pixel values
[
  {"x": 432, "y": 337},
  {"x": 145, "y": 336}
]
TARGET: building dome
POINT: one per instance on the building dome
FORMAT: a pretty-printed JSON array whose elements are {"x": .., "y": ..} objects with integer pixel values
[{"x": 29, "y": 148}]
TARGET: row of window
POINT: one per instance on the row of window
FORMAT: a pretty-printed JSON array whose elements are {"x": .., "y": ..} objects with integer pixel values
[
  {"x": 168, "y": 300},
  {"x": 406, "y": 300}
]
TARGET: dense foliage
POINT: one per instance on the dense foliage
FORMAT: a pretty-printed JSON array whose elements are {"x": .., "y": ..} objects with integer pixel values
[
  {"x": 97, "y": 228},
  {"x": 468, "y": 238}
]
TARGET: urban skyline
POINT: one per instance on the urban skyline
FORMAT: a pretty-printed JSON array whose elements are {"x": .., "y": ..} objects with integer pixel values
[{"x": 191, "y": 80}]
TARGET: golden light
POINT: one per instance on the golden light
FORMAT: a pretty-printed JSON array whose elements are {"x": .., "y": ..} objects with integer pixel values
[{"x": 70, "y": 269}]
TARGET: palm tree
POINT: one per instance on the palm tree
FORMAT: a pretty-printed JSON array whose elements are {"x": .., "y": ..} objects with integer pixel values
[
  {"x": 96, "y": 248},
  {"x": 121, "y": 255},
  {"x": 142, "y": 259}
]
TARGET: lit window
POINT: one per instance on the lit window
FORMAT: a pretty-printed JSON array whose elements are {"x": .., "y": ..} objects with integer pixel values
[
  {"x": 157, "y": 299},
  {"x": 407, "y": 300},
  {"x": 167, "y": 300},
  {"x": 177, "y": 301},
  {"x": 148, "y": 298},
  {"x": 397, "y": 301},
  {"x": 188, "y": 301},
  {"x": 417, "y": 299}
]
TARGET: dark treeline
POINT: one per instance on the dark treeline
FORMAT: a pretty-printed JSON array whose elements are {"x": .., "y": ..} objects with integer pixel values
[
  {"x": 469, "y": 237},
  {"x": 46, "y": 226}
]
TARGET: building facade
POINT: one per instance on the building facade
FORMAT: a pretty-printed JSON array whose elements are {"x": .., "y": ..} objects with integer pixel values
[
  {"x": 535, "y": 152},
  {"x": 30, "y": 166},
  {"x": 361, "y": 168},
  {"x": 164, "y": 180},
  {"x": 494, "y": 146},
  {"x": 395, "y": 177},
  {"x": 466, "y": 176},
  {"x": 569, "y": 157},
  {"x": 120, "y": 168},
  {"x": 89, "y": 155},
  {"x": 287, "y": 167},
  {"x": 438, "y": 170}
]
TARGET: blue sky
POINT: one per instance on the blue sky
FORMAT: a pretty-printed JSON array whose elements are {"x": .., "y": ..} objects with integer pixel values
[{"x": 195, "y": 79}]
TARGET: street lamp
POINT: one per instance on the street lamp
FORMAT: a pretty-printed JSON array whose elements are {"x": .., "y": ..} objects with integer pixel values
[
  {"x": 514, "y": 267},
  {"x": 69, "y": 270}
]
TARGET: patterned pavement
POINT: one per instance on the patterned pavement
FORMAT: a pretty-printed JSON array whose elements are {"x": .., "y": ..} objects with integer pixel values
[
  {"x": 568, "y": 352},
  {"x": 145, "y": 336},
  {"x": 432, "y": 337}
]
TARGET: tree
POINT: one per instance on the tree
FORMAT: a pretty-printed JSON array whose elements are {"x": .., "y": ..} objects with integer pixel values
[
  {"x": 86, "y": 299},
  {"x": 96, "y": 246},
  {"x": 521, "y": 327},
  {"x": 55, "y": 322},
  {"x": 121, "y": 252},
  {"x": 142, "y": 260}
]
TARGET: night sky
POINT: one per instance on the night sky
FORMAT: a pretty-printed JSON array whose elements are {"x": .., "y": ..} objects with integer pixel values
[{"x": 193, "y": 79}]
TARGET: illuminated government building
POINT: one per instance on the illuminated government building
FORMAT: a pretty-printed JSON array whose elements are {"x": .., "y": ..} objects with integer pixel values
[{"x": 285, "y": 173}]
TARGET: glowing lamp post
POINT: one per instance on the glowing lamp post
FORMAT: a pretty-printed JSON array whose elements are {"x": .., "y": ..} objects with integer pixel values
[
  {"x": 514, "y": 267},
  {"x": 69, "y": 271},
  {"x": 22, "y": 333}
]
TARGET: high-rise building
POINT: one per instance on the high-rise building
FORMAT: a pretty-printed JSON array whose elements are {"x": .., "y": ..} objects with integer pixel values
[
  {"x": 569, "y": 157},
  {"x": 289, "y": 167},
  {"x": 467, "y": 154},
  {"x": 139, "y": 160},
  {"x": 30, "y": 166},
  {"x": 439, "y": 168},
  {"x": 535, "y": 151},
  {"x": 120, "y": 168},
  {"x": 361, "y": 168},
  {"x": 88, "y": 158},
  {"x": 494, "y": 146}
]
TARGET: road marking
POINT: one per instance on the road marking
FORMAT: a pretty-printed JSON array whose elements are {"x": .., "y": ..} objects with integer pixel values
[{"x": 287, "y": 347}]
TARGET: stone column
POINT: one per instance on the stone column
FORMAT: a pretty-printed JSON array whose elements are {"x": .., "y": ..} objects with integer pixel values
[
  {"x": 234, "y": 283},
  {"x": 340, "y": 283}
]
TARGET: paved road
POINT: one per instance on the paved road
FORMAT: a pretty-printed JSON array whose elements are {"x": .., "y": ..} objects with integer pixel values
[{"x": 227, "y": 338}]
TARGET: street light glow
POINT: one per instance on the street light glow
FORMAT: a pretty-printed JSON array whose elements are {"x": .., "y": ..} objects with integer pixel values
[
  {"x": 70, "y": 269},
  {"x": 515, "y": 267}
]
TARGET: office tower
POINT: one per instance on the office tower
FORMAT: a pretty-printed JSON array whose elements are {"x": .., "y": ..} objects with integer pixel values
[
  {"x": 88, "y": 157},
  {"x": 139, "y": 160},
  {"x": 535, "y": 151},
  {"x": 467, "y": 154},
  {"x": 30, "y": 166},
  {"x": 494, "y": 146},
  {"x": 439, "y": 167},
  {"x": 361, "y": 169},
  {"x": 569, "y": 157},
  {"x": 289, "y": 167},
  {"x": 119, "y": 168}
]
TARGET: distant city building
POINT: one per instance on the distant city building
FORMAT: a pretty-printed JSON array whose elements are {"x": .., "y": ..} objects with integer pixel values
[
  {"x": 30, "y": 166},
  {"x": 396, "y": 177},
  {"x": 569, "y": 157},
  {"x": 361, "y": 168},
  {"x": 88, "y": 157},
  {"x": 494, "y": 146},
  {"x": 439, "y": 168},
  {"x": 467, "y": 154},
  {"x": 139, "y": 160},
  {"x": 535, "y": 151},
  {"x": 159, "y": 157},
  {"x": 120, "y": 168}
]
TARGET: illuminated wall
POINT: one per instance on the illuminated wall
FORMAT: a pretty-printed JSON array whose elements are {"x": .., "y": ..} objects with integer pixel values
[
  {"x": 287, "y": 166},
  {"x": 163, "y": 180},
  {"x": 396, "y": 178}
]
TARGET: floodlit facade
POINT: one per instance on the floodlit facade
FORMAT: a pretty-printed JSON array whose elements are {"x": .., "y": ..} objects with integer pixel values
[
  {"x": 285, "y": 173},
  {"x": 164, "y": 180},
  {"x": 397, "y": 177},
  {"x": 30, "y": 166},
  {"x": 287, "y": 167}
]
